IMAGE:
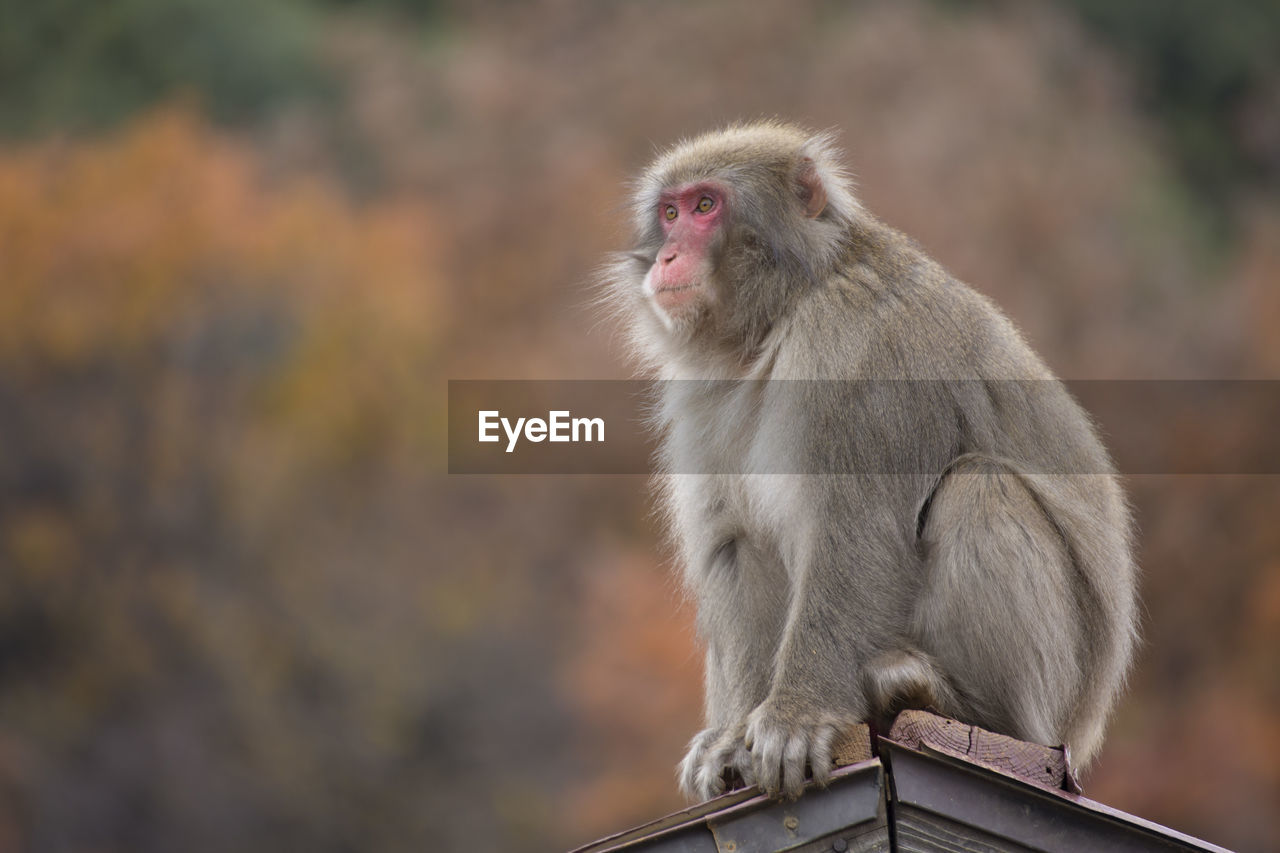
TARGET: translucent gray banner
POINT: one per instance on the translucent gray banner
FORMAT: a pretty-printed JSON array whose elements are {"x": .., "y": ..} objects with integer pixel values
[{"x": 903, "y": 426}]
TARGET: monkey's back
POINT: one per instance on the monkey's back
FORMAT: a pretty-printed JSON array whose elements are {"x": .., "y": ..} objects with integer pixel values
[{"x": 924, "y": 370}]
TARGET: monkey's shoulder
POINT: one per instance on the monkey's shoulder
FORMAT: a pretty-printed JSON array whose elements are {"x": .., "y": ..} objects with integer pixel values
[{"x": 917, "y": 323}]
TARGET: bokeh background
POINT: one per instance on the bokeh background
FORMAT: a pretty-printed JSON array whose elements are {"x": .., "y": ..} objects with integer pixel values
[{"x": 244, "y": 244}]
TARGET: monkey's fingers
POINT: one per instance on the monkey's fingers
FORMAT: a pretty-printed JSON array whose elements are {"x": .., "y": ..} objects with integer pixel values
[
  {"x": 771, "y": 746},
  {"x": 745, "y": 768},
  {"x": 730, "y": 754},
  {"x": 820, "y": 754},
  {"x": 795, "y": 756},
  {"x": 714, "y": 758},
  {"x": 710, "y": 780},
  {"x": 787, "y": 745},
  {"x": 767, "y": 764},
  {"x": 689, "y": 771},
  {"x": 779, "y": 760},
  {"x": 726, "y": 765}
]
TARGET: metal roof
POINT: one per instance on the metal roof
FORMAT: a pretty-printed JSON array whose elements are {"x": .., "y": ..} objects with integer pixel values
[{"x": 917, "y": 796}]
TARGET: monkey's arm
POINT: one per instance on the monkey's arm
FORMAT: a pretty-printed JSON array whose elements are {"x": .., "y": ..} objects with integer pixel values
[
  {"x": 740, "y": 623},
  {"x": 852, "y": 581}
]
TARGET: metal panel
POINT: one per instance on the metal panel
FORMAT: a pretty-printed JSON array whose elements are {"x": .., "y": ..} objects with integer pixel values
[
  {"x": 941, "y": 803},
  {"x": 847, "y": 817},
  {"x": 691, "y": 839},
  {"x": 930, "y": 801},
  {"x": 817, "y": 818},
  {"x": 671, "y": 824},
  {"x": 920, "y": 831}
]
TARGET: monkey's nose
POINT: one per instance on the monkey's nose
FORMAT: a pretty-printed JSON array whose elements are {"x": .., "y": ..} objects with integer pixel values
[{"x": 668, "y": 258}]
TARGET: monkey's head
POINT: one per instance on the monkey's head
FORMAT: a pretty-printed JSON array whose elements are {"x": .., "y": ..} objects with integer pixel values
[{"x": 730, "y": 227}]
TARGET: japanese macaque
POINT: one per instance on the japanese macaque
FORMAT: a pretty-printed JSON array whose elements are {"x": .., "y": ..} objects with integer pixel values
[{"x": 927, "y": 520}]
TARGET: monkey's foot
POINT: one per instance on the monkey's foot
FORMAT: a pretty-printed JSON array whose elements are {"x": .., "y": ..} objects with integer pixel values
[
  {"x": 786, "y": 737},
  {"x": 714, "y": 754},
  {"x": 905, "y": 679}
]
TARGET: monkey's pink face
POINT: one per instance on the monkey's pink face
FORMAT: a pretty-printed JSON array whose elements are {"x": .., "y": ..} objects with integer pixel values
[{"x": 692, "y": 217}]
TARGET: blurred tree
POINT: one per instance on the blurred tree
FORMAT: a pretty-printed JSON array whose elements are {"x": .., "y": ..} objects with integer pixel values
[
  {"x": 80, "y": 64},
  {"x": 199, "y": 376},
  {"x": 410, "y": 11},
  {"x": 1211, "y": 72}
]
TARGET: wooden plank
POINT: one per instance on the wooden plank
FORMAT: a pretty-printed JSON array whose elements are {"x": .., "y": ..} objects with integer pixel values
[
  {"x": 852, "y": 746},
  {"x": 1032, "y": 762}
]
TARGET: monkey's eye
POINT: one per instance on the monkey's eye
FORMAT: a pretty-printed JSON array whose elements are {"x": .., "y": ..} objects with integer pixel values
[
  {"x": 705, "y": 204},
  {"x": 670, "y": 212}
]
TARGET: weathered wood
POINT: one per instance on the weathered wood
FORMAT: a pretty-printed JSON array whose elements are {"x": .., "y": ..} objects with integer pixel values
[
  {"x": 852, "y": 746},
  {"x": 1032, "y": 762}
]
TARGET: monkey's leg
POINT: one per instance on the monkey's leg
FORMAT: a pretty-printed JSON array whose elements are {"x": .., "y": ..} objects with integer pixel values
[
  {"x": 998, "y": 613},
  {"x": 741, "y": 601}
]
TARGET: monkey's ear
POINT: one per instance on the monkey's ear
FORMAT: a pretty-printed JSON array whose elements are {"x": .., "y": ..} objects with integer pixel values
[{"x": 812, "y": 194}]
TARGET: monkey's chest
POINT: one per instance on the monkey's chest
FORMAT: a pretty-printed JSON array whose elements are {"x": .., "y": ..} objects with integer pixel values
[{"x": 739, "y": 477}]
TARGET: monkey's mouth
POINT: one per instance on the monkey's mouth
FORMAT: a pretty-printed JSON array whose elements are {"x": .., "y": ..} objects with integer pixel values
[{"x": 672, "y": 297}]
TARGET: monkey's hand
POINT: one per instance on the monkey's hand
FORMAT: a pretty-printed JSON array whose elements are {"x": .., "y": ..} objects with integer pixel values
[
  {"x": 784, "y": 736},
  {"x": 712, "y": 752}
]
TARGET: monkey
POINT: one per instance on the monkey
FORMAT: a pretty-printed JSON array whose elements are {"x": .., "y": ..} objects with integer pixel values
[{"x": 880, "y": 496}]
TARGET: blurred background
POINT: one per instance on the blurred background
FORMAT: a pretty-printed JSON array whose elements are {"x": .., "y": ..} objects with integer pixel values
[{"x": 244, "y": 244}]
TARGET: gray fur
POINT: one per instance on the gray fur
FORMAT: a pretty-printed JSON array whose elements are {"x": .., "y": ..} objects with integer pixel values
[{"x": 960, "y": 544}]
